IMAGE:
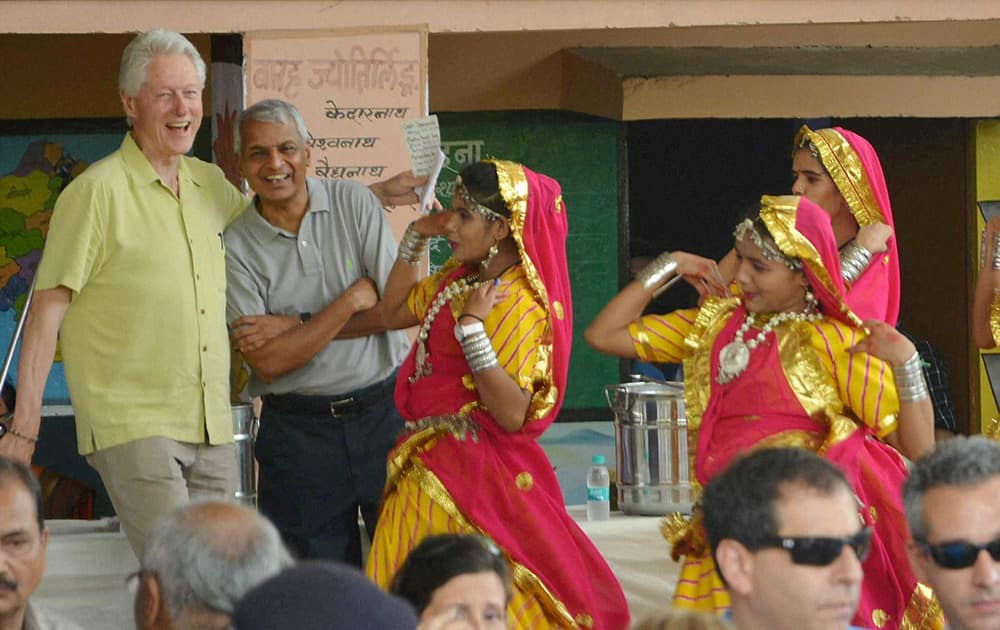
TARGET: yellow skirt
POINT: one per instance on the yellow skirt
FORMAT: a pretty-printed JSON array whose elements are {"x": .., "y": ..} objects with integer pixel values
[{"x": 409, "y": 514}]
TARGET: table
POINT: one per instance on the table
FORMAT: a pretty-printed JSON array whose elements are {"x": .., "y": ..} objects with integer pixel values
[{"x": 638, "y": 555}]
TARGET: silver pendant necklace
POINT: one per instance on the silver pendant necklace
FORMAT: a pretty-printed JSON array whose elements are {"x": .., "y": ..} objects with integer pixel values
[{"x": 735, "y": 355}]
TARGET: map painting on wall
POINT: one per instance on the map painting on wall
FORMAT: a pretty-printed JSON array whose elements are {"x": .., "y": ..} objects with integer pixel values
[{"x": 34, "y": 169}]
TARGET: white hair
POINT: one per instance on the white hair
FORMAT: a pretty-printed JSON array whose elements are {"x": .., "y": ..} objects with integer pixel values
[
  {"x": 212, "y": 560},
  {"x": 140, "y": 52},
  {"x": 271, "y": 110}
]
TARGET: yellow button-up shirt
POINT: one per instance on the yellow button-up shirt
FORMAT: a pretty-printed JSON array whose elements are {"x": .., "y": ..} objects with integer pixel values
[{"x": 144, "y": 340}]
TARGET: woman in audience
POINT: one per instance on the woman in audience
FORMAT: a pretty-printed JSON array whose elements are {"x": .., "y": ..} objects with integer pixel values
[
  {"x": 787, "y": 363},
  {"x": 485, "y": 378},
  {"x": 460, "y": 577}
]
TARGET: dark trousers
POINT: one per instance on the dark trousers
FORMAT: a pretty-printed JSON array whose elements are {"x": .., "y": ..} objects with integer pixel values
[{"x": 321, "y": 460}]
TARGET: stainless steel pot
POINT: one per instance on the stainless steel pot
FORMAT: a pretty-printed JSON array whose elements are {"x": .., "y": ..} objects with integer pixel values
[
  {"x": 244, "y": 434},
  {"x": 654, "y": 474}
]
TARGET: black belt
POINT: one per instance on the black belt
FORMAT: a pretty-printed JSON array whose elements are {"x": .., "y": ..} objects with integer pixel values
[{"x": 337, "y": 406}]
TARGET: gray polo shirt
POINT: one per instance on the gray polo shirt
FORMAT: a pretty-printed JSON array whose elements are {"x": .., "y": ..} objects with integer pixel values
[{"x": 343, "y": 237}]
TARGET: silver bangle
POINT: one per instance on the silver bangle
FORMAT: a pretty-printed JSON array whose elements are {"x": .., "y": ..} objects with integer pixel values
[
  {"x": 483, "y": 363},
  {"x": 657, "y": 272},
  {"x": 479, "y": 352},
  {"x": 854, "y": 259},
  {"x": 909, "y": 378},
  {"x": 413, "y": 246},
  {"x": 995, "y": 263}
]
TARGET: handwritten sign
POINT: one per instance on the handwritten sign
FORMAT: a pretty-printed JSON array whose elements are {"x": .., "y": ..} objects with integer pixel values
[{"x": 355, "y": 89}]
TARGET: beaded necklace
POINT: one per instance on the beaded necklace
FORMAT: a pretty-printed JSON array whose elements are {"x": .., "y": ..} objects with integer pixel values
[
  {"x": 456, "y": 288},
  {"x": 735, "y": 355}
]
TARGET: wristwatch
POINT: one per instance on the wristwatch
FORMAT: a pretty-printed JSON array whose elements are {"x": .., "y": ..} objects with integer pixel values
[
  {"x": 464, "y": 330},
  {"x": 304, "y": 317}
]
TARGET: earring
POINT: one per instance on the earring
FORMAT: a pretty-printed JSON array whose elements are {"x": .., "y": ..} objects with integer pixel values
[
  {"x": 811, "y": 302},
  {"x": 490, "y": 255}
]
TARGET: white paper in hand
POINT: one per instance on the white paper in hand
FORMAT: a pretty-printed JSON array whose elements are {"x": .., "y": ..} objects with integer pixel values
[{"x": 423, "y": 142}]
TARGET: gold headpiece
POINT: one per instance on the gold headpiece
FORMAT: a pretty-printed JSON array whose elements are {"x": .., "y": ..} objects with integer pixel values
[
  {"x": 767, "y": 247},
  {"x": 473, "y": 204}
]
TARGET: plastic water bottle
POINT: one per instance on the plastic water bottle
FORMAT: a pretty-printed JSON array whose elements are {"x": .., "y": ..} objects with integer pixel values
[{"x": 598, "y": 491}]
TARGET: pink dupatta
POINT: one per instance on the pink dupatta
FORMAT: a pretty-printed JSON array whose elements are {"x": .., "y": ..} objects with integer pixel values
[{"x": 855, "y": 168}]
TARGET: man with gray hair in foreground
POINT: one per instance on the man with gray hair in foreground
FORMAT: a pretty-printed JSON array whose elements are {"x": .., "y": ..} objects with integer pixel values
[
  {"x": 199, "y": 562},
  {"x": 952, "y": 500}
]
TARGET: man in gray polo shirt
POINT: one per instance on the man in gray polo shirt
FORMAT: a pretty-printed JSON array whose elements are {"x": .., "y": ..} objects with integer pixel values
[{"x": 304, "y": 266}]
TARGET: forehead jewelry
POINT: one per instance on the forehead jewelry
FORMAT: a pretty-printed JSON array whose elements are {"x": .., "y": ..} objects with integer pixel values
[
  {"x": 809, "y": 144},
  {"x": 472, "y": 204},
  {"x": 767, "y": 247}
]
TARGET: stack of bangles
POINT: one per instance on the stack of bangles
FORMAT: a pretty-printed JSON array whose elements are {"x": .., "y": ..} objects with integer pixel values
[
  {"x": 995, "y": 263},
  {"x": 657, "y": 272},
  {"x": 479, "y": 353},
  {"x": 854, "y": 259},
  {"x": 413, "y": 246},
  {"x": 910, "y": 384}
]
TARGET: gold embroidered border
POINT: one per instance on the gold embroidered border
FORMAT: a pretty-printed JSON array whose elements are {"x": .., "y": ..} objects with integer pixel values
[
  {"x": 810, "y": 383},
  {"x": 923, "y": 612},
  {"x": 524, "y": 578},
  {"x": 778, "y": 214},
  {"x": 847, "y": 172},
  {"x": 711, "y": 318},
  {"x": 514, "y": 190}
]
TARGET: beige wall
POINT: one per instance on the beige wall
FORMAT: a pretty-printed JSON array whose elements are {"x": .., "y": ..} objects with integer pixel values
[
  {"x": 443, "y": 16},
  {"x": 64, "y": 76},
  {"x": 532, "y": 67},
  {"x": 74, "y": 75}
]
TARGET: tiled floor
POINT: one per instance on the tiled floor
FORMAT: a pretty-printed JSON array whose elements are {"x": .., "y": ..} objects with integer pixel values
[{"x": 85, "y": 580}]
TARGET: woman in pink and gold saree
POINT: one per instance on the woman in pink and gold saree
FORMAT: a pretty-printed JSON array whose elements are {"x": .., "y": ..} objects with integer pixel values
[
  {"x": 485, "y": 378},
  {"x": 787, "y": 363},
  {"x": 840, "y": 170}
]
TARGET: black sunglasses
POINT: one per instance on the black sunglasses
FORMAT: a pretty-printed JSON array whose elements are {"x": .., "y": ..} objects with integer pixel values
[
  {"x": 959, "y": 554},
  {"x": 819, "y": 551}
]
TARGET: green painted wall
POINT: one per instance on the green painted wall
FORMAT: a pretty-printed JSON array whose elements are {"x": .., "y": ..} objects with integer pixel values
[{"x": 581, "y": 152}]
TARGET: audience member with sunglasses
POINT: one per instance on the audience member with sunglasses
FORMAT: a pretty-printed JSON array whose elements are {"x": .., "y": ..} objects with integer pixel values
[
  {"x": 789, "y": 540},
  {"x": 952, "y": 500}
]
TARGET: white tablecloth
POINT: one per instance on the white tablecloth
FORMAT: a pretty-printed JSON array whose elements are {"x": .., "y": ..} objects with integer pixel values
[{"x": 638, "y": 555}]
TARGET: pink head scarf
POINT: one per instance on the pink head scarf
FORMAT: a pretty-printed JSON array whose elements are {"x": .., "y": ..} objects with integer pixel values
[
  {"x": 539, "y": 226},
  {"x": 802, "y": 231},
  {"x": 854, "y": 167}
]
